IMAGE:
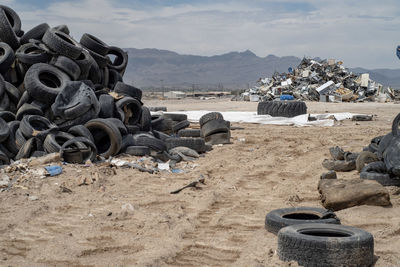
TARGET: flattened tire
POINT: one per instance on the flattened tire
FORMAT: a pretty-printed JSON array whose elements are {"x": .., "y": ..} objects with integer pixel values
[
  {"x": 282, "y": 108},
  {"x": 149, "y": 141},
  {"x": 209, "y": 117},
  {"x": 44, "y": 82},
  {"x": 137, "y": 151},
  {"x": 128, "y": 90},
  {"x": 107, "y": 137},
  {"x": 214, "y": 127},
  {"x": 280, "y": 218},
  {"x": 326, "y": 245},
  {"x": 197, "y": 144}
]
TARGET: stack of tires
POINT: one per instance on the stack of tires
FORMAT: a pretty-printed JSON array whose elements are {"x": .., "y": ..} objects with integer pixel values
[
  {"x": 60, "y": 95},
  {"x": 215, "y": 129},
  {"x": 315, "y": 237},
  {"x": 282, "y": 108}
]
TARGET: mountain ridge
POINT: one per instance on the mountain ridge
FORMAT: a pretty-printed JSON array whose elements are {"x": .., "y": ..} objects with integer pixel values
[{"x": 155, "y": 68}]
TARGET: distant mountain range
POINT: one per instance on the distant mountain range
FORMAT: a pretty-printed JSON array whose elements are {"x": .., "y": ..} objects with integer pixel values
[{"x": 153, "y": 68}]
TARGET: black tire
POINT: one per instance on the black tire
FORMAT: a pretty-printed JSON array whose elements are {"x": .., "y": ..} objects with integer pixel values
[
  {"x": 282, "y": 108},
  {"x": 28, "y": 109},
  {"x": 131, "y": 106},
  {"x": 6, "y": 57},
  {"x": 127, "y": 140},
  {"x": 326, "y": 245},
  {"x": 40, "y": 105},
  {"x": 13, "y": 18},
  {"x": 13, "y": 93},
  {"x": 209, "y": 117},
  {"x": 158, "y": 109},
  {"x": 72, "y": 152},
  {"x": 180, "y": 125},
  {"x": 391, "y": 156},
  {"x": 9, "y": 143},
  {"x": 94, "y": 72},
  {"x": 7, "y": 34},
  {"x": 377, "y": 171},
  {"x": 160, "y": 135},
  {"x": 84, "y": 62},
  {"x": 120, "y": 61},
  {"x": 133, "y": 129},
  {"x": 365, "y": 157},
  {"x": 2, "y": 86},
  {"x": 31, "y": 145},
  {"x": 36, "y": 126},
  {"x": 119, "y": 124},
  {"x": 128, "y": 90},
  {"x": 149, "y": 141},
  {"x": 81, "y": 131},
  {"x": 4, "y": 160},
  {"x": 137, "y": 151},
  {"x": 100, "y": 60},
  {"x": 279, "y": 218},
  {"x": 157, "y": 122},
  {"x": 107, "y": 137},
  {"x": 20, "y": 139},
  {"x": 197, "y": 144},
  {"x": 95, "y": 44},
  {"x": 218, "y": 139},
  {"x": 4, "y": 102},
  {"x": 43, "y": 82},
  {"x": 53, "y": 141},
  {"x": 114, "y": 77},
  {"x": 62, "y": 28},
  {"x": 81, "y": 120},
  {"x": 62, "y": 43},
  {"x": 25, "y": 98},
  {"x": 145, "y": 120},
  {"x": 35, "y": 33},
  {"x": 395, "y": 126},
  {"x": 189, "y": 133},
  {"x": 175, "y": 116},
  {"x": 69, "y": 66},
  {"x": 105, "y": 77},
  {"x": 30, "y": 54},
  {"x": 7, "y": 116},
  {"x": 4, "y": 130},
  {"x": 214, "y": 127},
  {"x": 383, "y": 144},
  {"x": 107, "y": 106}
]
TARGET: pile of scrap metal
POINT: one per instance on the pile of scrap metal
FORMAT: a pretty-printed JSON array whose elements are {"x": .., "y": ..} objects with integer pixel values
[{"x": 325, "y": 80}]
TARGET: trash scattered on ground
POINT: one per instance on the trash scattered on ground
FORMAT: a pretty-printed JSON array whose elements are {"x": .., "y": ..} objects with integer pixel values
[
  {"x": 63, "y": 100},
  {"x": 192, "y": 184},
  {"x": 53, "y": 170},
  {"x": 318, "y": 80},
  {"x": 338, "y": 194},
  {"x": 323, "y": 120}
]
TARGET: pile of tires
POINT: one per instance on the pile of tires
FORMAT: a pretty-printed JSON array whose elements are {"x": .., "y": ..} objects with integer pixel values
[
  {"x": 282, "y": 108},
  {"x": 315, "y": 237},
  {"x": 61, "y": 95},
  {"x": 215, "y": 129}
]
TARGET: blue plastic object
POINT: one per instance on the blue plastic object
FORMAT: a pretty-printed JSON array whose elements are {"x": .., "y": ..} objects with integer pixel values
[
  {"x": 54, "y": 170},
  {"x": 290, "y": 70},
  {"x": 286, "y": 97}
]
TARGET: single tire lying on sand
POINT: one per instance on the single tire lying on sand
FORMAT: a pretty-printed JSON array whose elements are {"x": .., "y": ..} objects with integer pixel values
[
  {"x": 326, "y": 245},
  {"x": 279, "y": 218},
  {"x": 282, "y": 108}
]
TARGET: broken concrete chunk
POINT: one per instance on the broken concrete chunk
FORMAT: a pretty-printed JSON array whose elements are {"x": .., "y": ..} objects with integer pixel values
[
  {"x": 339, "y": 165},
  {"x": 341, "y": 194}
]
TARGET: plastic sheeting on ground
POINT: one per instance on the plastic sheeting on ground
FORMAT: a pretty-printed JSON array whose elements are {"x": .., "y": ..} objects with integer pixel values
[{"x": 326, "y": 119}]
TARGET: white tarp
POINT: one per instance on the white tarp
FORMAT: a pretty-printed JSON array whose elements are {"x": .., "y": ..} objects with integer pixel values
[{"x": 326, "y": 119}]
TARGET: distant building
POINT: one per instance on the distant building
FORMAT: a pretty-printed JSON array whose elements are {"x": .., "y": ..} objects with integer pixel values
[{"x": 175, "y": 95}]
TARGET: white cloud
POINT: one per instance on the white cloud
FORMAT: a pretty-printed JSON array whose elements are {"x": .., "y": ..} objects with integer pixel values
[{"x": 360, "y": 33}]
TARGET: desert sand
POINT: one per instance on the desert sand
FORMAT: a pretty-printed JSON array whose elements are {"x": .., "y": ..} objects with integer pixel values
[{"x": 222, "y": 224}]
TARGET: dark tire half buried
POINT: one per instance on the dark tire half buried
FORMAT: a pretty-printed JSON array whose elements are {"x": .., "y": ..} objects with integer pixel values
[
  {"x": 327, "y": 245},
  {"x": 279, "y": 218}
]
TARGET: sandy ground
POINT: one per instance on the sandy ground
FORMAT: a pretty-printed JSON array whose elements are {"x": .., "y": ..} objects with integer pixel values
[{"x": 221, "y": 224}]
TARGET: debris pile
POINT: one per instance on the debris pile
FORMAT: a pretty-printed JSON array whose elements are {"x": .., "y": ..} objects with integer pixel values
[
  {"x": 318, "y": 80},
  {"x": 58, "y": 95}
]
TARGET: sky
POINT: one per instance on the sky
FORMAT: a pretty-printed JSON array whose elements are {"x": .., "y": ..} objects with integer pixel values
[{"x": 360, "y": 33}]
